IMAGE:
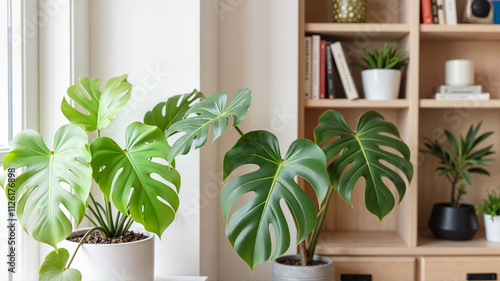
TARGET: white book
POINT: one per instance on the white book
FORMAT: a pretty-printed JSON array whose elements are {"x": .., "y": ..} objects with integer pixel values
[
  {"x": 316, "y": 45},
  {"x": 472, "y": 89},
  {"x": 308, "y": 65},
  {"x": 482, "y": 96},
  {"x": 344, "y": 71},
  {"x": 441, "y": 14},
  {"x": 450, "y": 9}
]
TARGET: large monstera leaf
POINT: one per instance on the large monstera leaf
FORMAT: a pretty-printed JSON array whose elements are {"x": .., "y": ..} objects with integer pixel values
[
  {"x": 248, "y": 227},
  {"x": 124, "y": 173},
  {"x": 364, "y": 148},
  {"x": 102, "y": 107},
  {"x": 39, "y": 193},
  {"x": 54, "y": 267},
  {"x": 199, "y": 117},
  {"x": 173, "y": 110}
]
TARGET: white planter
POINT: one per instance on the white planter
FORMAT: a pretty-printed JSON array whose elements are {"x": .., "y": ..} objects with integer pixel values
[
  {"x": 282, "y": 272},
  {"x": 381, "y": 84},
  {"x": 126, "y": 261},
  {"x": 492, "y": 228}
]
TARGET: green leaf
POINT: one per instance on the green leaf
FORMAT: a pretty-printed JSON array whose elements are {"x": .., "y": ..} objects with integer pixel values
[
  {"x": 173, "y": 110},
  {"x": 101, "y": 107},
  {"x": 363, "y": 149},
  {"x": 39, "y": 193},
  {"x": 129, "y": 173},
  {"x": 210, "y": 111},
  {"x": 54, "y": 267},
  {"x": 274, "y": 181}
]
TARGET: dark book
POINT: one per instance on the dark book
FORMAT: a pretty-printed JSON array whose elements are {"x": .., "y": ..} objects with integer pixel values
[
  {"x": 435, "y": 17},
  {"x": 330, "y": 83},
  {"x": 322, "y": 69}
]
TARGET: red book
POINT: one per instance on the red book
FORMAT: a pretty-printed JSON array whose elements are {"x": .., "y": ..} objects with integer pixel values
[
  {"x": 426, "y": 12},
  {"x": 322, "y": 69}
]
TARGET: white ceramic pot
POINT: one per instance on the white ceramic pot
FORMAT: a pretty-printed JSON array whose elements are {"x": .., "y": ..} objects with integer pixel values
[
  {"x": 381, "y": 84},
  {"x": 126, "y": 261},
  {"x": 492, "y": 228},
  {"x": 282, "y": 272}
]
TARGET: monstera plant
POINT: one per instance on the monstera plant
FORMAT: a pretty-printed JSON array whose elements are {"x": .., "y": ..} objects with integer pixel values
[
  {"x": 59, "y": 179},
  {"x": 352, "y": 155}
]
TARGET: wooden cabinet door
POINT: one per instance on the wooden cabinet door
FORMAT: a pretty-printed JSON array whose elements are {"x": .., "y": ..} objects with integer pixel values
[
  {"x": 375, "y": 268},
  {"x": 459, "y": 268}
]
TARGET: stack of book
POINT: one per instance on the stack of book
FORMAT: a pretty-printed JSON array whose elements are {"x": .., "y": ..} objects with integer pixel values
[
  {"x": 439, "y": 12},
  {"x": 473, "y": 92},
  {"x": 325, "y": 67}
]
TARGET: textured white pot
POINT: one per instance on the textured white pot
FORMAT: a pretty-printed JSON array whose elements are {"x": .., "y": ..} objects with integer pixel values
[
  {"x": 381, "y": 84},
  {"x": 492, "y": 228},
  {"x": 126, "y": 261},
  {"x": 282, "y": 272}
]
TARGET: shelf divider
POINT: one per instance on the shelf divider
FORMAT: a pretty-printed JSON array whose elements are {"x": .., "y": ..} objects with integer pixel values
[
  {"x": 359, "y": 103},
  {"x": 389, "y": 31}
]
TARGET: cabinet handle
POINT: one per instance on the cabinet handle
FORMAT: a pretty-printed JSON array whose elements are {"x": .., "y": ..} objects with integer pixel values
[
  {"x": 355, "y": 277},
  {"x": 482, "y": 276}
]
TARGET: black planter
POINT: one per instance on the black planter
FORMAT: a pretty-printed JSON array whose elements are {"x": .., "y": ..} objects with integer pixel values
[{"x": 451, "y": 223}]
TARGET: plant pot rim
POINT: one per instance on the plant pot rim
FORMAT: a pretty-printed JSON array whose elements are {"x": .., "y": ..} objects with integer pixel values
[
  {"x": 326, "y": 259},
  {"x": 380, "y": 69},
  {"x": 448, "y": 205},
  {"x": 85, "y": 229}
]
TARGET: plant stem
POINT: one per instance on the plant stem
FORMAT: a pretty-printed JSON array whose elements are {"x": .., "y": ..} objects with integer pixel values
[
  {"x": 110, "y": 217},
  {"x": 239, "y": 131},
  {"x": 81, "y": 241},
  {"x": 303, "y": 253},
  {"x": 97, "y": 213},
  {"x": 322, "y": 214},
  {"x": 453, "y": 187}
]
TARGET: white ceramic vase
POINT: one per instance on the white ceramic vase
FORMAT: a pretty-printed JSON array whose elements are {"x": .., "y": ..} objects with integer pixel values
[
  {"x": 381, "y": 84},
  {"x": 126, "y": 261},
  {"x": 492, "y": 228}
]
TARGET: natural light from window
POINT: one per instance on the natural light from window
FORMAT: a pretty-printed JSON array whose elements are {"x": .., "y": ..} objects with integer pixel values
[{"x": 4, "y": 78}]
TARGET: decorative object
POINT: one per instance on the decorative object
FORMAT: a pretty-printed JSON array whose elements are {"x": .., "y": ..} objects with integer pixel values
[
  {"x": 322, "y": 272},
  {"x": 459, "y": 72},
  {"x": 491, "y": 209},
  {"x": 496, "y": 11},
  {"x": 478, "y": 11},
  {"x": 453, "y": 220},
  {"x": 349, "y": 11},
  {"x": 381, "y": 73},
  {"x": 248, "y": 227}
]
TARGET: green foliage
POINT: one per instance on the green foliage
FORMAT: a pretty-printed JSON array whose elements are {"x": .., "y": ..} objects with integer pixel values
[
  {"x": 490, "y": 205},
  {"x": 388, "y": 58},
  {"x": 54, "y": 267},
  {"x": 194, "y": 127},
  {"x": 38, "y": 189},
  {"x": 364, "y": 149},
  {"x": 460, "y": 159},
  {"x": 248, "y": 227}
]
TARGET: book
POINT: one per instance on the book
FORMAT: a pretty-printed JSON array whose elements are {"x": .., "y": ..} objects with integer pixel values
[
  {"x": 316, "y": 41},
  {"x": 322, "y": 69},
  {"x": 481, "y": 96},
  {"x": 308, "y": 65},
  {"x": 330, "y": 84},
  {"x": 435, "y": 18},
  {"x": 450, "y": 7},
  {"x": 445, "y": 89},
  {"x": 425, "y": 6},
  {"x": 344, "y": 72},
  {"x": 440, "y": 10}
]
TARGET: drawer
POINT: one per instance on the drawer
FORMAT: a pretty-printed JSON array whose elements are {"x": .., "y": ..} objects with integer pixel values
[
  {"x": 376, "y": 268},
  {"x": 460, "y": 268}
]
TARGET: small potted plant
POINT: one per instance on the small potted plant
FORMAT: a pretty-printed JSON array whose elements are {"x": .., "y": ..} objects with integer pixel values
[
  {"x": 491, "y": 209},
  {"x": 455, "y": 220},
  {"x": 381, "y": 73}
]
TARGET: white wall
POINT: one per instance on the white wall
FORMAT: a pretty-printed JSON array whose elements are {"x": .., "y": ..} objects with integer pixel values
[{"x": 258, "y": 49}]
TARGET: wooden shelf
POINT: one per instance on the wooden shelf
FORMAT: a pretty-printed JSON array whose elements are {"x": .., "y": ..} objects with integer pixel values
[
  {"x": 460, "y": 32},
  {"x": 359, "y": 103},
  {"x": 428, "y": 245},
  {"x": 381, "y": 31},
  {"x": 442, "y": 104}
]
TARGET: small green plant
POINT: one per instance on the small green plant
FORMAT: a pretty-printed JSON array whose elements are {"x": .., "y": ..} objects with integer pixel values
[
  {"x": 461, "y": 160},
  {"x": 388, "y": 58},
  {"x": 490, "y": 205}
]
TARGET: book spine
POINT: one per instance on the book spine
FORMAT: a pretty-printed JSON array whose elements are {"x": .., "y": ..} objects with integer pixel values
[
  {"x": 426, "y": 11},
  {"x": 451, "y": 12},
  {"x": 330, "y": 84},
  {"x": 315, "y": 66},
  {"x": 435, "y": 18},
  {"x": 476, "y": 89},
  {"x": 322, "y": 70},
  {"x": 482, "y": 96},
  {"x": 308, "y": 65},
  {"x": 344, "y": 72},
  {"x": 441, "y": 13}
]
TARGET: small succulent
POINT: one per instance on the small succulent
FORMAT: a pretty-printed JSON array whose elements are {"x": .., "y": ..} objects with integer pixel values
[
  {"x": 490, "y": 205},
  {"x": 388, "y": 58}
]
